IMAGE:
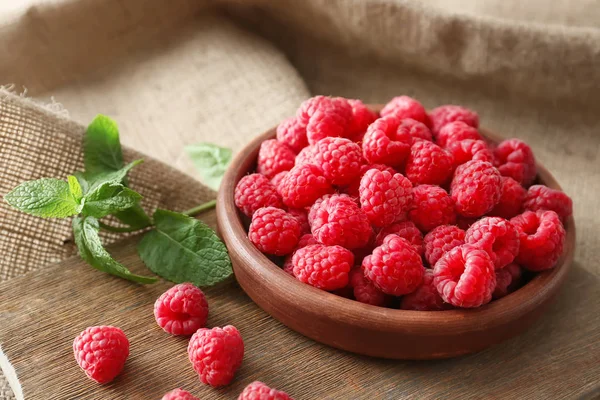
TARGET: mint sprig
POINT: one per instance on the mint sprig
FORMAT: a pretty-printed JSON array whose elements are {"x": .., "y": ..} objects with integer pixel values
[{"x": 211, "y": 161}]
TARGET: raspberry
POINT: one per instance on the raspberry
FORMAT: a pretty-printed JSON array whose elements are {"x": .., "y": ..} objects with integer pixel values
[
  {"x": 403, "y": 107},
  {"x": 514, "y": 158},
  {"x": 305, "y": 240},
  {"x": 406, "y": 230},
  {"x": 324, "y": 267},
  {"x": 179, "y": 394},
  {"x": 441, "y": 240},
  {"x": 540, "y": 197},
  {"x": 292, "y": 133},
  {"x": 476, "y": 188},
  {"x": 101, "y": 352},
  {"x": 443, "y": 115},
  {"x": 497, "y": 236},
  {"x": 384, "y": 144},
  {"x": 432, "y": 206},
  {"x": 385, "y": 197},
  {"x": 507, "y": 280},
  {"x": 362, "y": 117},
  {"x": 465, "y": 277},
  {"x": 511, "y": 199},
  {"x": 303, "y": 185},
  {"x": 466, "y": 150},
  {"x": 428, "y": 164},
  {"x": 337, "y": 220},
  {"x": 542, "y": 238},
  {"x": 364, "y": 290},
  {"x": 415, "y": 129},
  {"x": 216, "y": 354},
  {"x": 394, "y": 267},
  {"x": 302, "y": 216},
  {"x": 325, "y": 116},
  {"x": 273, "y": 231},
  {"x": 425, "y": 297},
  {"x": 274, "y": 157},
  {"x": 339, "y": 158},
  {"x": 259, "y": 391},
  {"x": 181, "y": 310},
  {"x": 352, "y": 188},
  {"x": 254, "y": 191},
  {"x": 455, "y": 132},
  {"x": 306, "y": 156}
]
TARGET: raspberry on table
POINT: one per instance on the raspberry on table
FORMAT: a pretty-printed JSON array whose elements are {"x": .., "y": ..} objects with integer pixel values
[
  {"x": 274, "y": 157},
  {"x": 465, "y": 277},
  {"x": 385, "y": 197},
  {"x": 337, "y": 220},
  {"x": 181, "y": 310},
  {"x": 443, "y": 115},
  {"x": 306, "y": 156},
  {"x": 362, "y": 117},
  {"x": 403, "y": 107},
  {"x": 364, "y": 290},
  {"x": 179, "y": 394},
  {"x": 542, "y": 237},
  {"x": 254, "y": 191},
  {"x": 441, "y": 240},
  {"x": 274, "y": 231},
  {"x": 455, "y": 132},
  {"x": 292, "y": 133},
  {"x": 216, "y": 354},
  {"x": 425, "y": 297},
  {"x": 301, "y": 214},
  {"x": 340, "y": 159},
  {"x": 476, "y": 188},
  {"x": 432, "y": 206},
  {"x": 428, "y": 164},
  {"x": 101, "y": 351},
  {"x": 352, "y": 188},
  {"x": 508, "y": 280},
  {"x": 385, "y": 144},
  {"x": 514, "y": 158},
  {"x": 406, "y": 230},
  {"x": 259, "y": 391},
  {"x": 324, "y": 267},
  {"x": 303, "y": 185},
  {"x": 511, "y": 200},
  {"x": 540, "y": 197},
  {"x": 497, "y": 236},
  {"x": 325, "y": 116},
  {"x": 463, "y": 151},
  {"x": 394, "y": 267}
]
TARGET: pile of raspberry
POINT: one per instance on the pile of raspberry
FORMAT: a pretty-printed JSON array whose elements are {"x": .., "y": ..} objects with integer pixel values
[{"x": 403, "y": 208}]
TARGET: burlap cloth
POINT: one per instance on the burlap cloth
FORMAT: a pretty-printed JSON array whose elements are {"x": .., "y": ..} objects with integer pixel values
[{"x": 180, "y": 72}]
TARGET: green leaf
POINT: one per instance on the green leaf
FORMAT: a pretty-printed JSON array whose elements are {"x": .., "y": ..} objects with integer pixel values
[
  {"x": 85, "y": 231},
  {"x": 46, "y": 197},
  {"x": 184, "y": 249},
  {"x": 110, "y": 198},
  {"x": 102, "y": 147},
  {"x": 135, "y": 217},
  {"x": 83, "y": 183},
  {"x": 118, "y": 176},
  {"x": 211, "y": 162},
  {"x": 75, "y": 188}
]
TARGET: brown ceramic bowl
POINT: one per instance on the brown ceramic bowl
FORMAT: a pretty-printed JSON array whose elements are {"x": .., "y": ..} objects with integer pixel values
[{"x": 377, "y": 331}]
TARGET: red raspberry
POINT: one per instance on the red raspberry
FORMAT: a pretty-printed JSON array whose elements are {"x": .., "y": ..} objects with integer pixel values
[
  {"x": 274, "y": 157},
  {"x": 364, "y": 290},
  {"x": 276, "y": 180},
  {"x": 384, "y": 144},
  {"x": 497, "y": 236},
  {"x": 443, "y": 115},
  {"x": 428, "y": 164},
  {"x": 455, "y": 132},
  {"x": 101, "y": 352},
  {"x": 441, "y": 240},
  {"x": 542, "y": 238},
  {"x": 415, "y": 129},
  {"x": 303, "y": 185},
  {"x": 339, "y": 158},
  {"x": 362, "y": 117},
  {"x": 306, "y": 156},
  {"x": 540, "y": 197},
  {"x": 216, "y": 354},
  {"x": 511, "y": 199},
  {"x": 466, "y": 150},
  {"x": 301, "y": 214},
  {"x": 508, "y": 280},
  {"x": 406, "y": 230},
  {"x": 337, "y": 220},
  {"x": 179, "y": 394},
  {"x": 425, "y": 298},
  {"x": 394, "y": 267},
  {"x": 325, "y": 116},
  {"x": 292, "y": 133},
  {"x": 324, "y": 267},
  {"x": 514, "y": 158},
  {"x": 476, "y": 188},
  {"x": 181, "y": 310},
  {"x": 259, "y": 391},
  {"x": 352, "y": 188},
  {"x": 385, "y": 197},
  {"x": 403, "y": 107},
  {"x": 254, "y": 191},
  {"x": 305, "y": 240},
  {"x": 465, "y": 277},
  {"x": 432, "y": 206},
  {"x": 273, "y": 231}
]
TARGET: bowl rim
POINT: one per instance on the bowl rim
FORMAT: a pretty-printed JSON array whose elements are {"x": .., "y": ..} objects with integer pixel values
[{"x": 338, "y": 309}]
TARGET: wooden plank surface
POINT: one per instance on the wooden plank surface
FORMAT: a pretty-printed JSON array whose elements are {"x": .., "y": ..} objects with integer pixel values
[{"x": 42, "y": 312}]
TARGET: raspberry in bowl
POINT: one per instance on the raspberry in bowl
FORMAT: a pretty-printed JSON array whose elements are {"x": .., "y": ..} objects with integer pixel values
[{"x": 392, "y": 236}]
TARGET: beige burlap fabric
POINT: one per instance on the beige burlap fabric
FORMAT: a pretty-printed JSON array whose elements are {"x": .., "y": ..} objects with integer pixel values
[{"x": 177, "y": 73}]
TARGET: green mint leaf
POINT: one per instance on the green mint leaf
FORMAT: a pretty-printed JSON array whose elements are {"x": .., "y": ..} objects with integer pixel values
[
  {"x": 47, "y": 197},
  {"x": 83, "y": 183},
  {"x": 85, "y": 231},
  {"x": 135, "y": 217},
  {"x": 211, "y": 162},
  {"x": 75, "y": 188},
  {"x": 108, "y": 199},
  {"x": 102, "y": 147},
  {"x": 118, "y": 176},
  {"x": 184, "y": 249}
]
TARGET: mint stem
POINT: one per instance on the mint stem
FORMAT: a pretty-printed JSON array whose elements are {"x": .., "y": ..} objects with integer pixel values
[
  {"x": 117, "y": 229},
  {"x": 209, "y": 205}
]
